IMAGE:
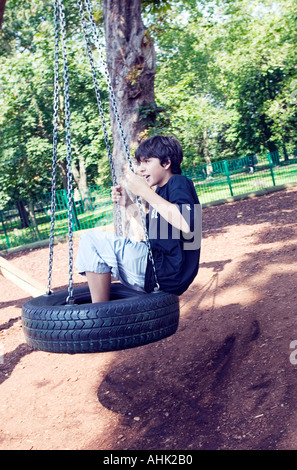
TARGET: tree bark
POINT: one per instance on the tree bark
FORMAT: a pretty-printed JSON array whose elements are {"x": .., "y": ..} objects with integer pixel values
[
  {"x": 2, "y": 8},
  {"x": 209, "y": 169},
  {"x": 63, "y": 170},
  {"x": 24, "y": 218},
  {"x": 32, "y": 217},
  {"x": 132, "y": 66},
  {"x": 80, "y": 178}
]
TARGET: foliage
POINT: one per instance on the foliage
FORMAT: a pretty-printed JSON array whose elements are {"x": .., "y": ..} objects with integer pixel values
[
  {"x": 226, "y": 72},
  {"x": 26, "y": 102},
  {"x": 226, "y": 86}
]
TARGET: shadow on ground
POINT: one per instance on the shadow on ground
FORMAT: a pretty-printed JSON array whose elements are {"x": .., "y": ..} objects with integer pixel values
[{"x": 224, "y": 380}]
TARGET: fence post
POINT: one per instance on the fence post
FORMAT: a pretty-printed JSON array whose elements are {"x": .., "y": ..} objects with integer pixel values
[
  {"x": 228, "y": 176},
  {"x": 271, "y": 167},
  {"x": 75, "y": 222}
]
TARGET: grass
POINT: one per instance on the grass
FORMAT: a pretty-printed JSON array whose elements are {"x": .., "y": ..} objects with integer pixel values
[
  {"x": 241, "y": 183},
  {"x": 209, "y": 190},
  {"x": 18, "y": 236}
]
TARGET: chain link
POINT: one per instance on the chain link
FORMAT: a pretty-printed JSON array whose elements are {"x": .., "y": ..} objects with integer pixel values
[
  {"x": 122, "y": 134},
  {"x": 118, "y": 221},
  {"x": 55, "y": 144},
  {"x": 70, "y": 299},
  {"x": 60, "y": 29}
]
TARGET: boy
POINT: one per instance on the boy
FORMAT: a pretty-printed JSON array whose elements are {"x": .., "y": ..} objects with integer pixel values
[{"x": 173, "y": 225}]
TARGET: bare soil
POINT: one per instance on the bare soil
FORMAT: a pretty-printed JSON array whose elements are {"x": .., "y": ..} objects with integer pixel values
[{"x": 225, "y": 380}]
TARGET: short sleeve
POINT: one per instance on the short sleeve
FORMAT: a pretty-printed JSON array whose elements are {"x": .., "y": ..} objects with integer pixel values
[{"x": 182, "y": 193}]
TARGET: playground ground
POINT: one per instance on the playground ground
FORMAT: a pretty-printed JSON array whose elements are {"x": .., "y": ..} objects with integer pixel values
[{"x": 225, "y": 380}]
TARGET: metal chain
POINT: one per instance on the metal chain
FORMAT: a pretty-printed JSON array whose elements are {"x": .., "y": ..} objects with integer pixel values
[
  {"x": 55, "y": 144},
  {"x": 122, "y": 134},
  {"x": 60, "y": 23},
  {"x": 118, "y": 222},
  {"x": 88, "y": 8},
  {"x": 70, "y": 299},
  {"x": 107, "y": 77}
]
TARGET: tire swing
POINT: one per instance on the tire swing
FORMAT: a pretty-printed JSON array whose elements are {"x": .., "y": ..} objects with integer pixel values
[{"x": 67, "y": 321}]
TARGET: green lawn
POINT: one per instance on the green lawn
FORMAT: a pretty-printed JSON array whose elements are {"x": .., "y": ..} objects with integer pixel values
[
  {"x": 209, "y": 190},
  {"x": 241, "y": 183}
]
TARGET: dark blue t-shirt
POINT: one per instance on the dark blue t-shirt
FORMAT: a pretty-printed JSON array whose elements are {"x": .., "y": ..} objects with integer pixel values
[{"x": 176, "y": 255}]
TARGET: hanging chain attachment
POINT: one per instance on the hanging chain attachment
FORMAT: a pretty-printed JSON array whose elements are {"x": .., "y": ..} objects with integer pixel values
[{"x": 60, "y": 30}]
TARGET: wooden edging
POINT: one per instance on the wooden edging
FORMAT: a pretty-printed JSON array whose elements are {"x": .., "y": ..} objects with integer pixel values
[{"x": 21, "y": 278}]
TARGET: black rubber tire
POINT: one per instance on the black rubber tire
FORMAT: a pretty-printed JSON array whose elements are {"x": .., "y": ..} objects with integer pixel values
[{"x": 128, "y": 320}]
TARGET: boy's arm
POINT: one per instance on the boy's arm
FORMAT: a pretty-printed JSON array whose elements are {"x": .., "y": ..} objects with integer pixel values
[{"x": 166, "y": 209}]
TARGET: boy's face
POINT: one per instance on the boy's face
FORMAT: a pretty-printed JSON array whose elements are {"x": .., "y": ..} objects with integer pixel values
[{"x": 154, "y": 173}]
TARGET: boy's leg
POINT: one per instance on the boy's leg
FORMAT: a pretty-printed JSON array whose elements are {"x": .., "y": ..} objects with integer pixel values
[
  {"x": 101, "y": 255},
  {"x": 99, "y": 284}
]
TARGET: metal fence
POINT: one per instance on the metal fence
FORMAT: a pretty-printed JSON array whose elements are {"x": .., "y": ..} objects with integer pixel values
[
  {"x": 29, "y": 221},
  {"x": 244, "y": 175}
]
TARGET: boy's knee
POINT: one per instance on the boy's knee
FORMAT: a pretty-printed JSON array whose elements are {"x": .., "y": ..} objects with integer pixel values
[
  {"x": 85, "y": 236},
  {"x": 93, "y": 239},
  {"x": 86, "y": 239}
]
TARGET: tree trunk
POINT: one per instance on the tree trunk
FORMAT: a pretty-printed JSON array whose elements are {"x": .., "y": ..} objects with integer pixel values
[
  {"x": 285, "y": 152},
  {"x": 63, "y": 170},
  {"x": 132, "y": 66},
  {"x": 25, "y": 222},
  {"x": 80, "y": 178},
  {"x": 2, "y": 8},
  {"x": 266, "y": 129},
  {"x": 33, "y": 218},
  {"x": 209, "y": 169}
]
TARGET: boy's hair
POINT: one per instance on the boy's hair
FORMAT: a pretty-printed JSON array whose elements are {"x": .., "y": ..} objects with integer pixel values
[{"x": 164, "y": 148}]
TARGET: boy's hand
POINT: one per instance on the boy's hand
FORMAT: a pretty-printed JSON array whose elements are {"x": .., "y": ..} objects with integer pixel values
[
  {"x": 136, "y": 184},
  {"x": 118, "y": 195}
]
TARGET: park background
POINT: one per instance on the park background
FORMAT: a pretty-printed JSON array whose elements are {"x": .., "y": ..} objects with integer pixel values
[
  {"x": 225, "y": 85},
  {"x": 227, "y": 378}
]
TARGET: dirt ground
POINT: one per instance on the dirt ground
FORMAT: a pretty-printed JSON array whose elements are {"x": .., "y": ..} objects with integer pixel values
[{"x": 226, "y": 380}]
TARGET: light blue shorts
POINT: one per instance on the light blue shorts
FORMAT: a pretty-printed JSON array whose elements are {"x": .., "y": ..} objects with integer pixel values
[{"x": 103, "y": 252}]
